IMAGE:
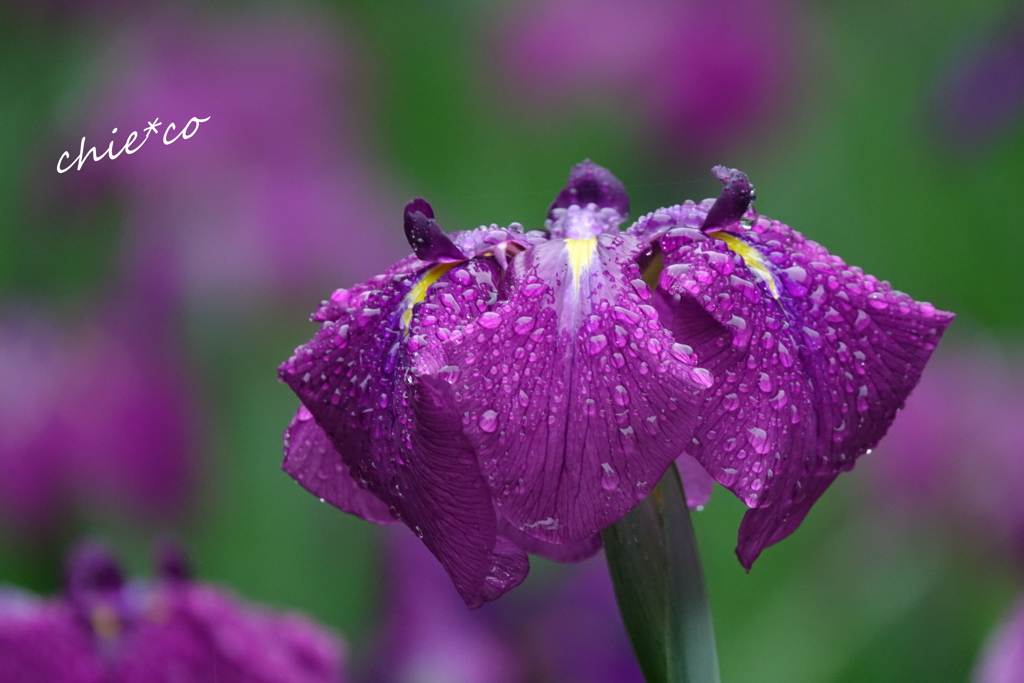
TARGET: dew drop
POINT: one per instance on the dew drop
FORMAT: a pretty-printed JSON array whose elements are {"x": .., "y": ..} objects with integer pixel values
[
  {"x": 534, "y": 289},
  {"x": 758, "y": 438},
  {"x": 684, "y": 353},
  {"x": 862, "y": 321},
  {"x": 489, "y": 421},
  {"x": 609, "y": 478},
  {"x": 523, "y": 325},
  {"x": 490, "y": 320}
]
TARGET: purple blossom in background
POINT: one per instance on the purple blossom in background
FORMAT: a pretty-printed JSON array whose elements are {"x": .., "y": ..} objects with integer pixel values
[
  {"x": 97, "y": 414},
  {"x": 171, "y": 630},
  {"x": 983, "y": 91},
  {"x": 563, "y": 627},
  {"x": 427, "y": 633},
  {"x": 503, "y": 391},
  {"x": 699, "y": 72},
  {"x": 1002, "y": 660},
  {"x": 275, "y": 193},
  {"x": 957, "y": 452}
]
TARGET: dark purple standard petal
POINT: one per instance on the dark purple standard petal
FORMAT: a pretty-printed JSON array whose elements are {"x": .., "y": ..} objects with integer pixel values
[
  {"x": 374, "y": 379},
  {"x": 592, "y": 184},
  {"x": 732, "y": 203},
  {"x": 811, "y": 358},
  {"x": 425, "y": 236},
  {"x": 571, "y": 391}
]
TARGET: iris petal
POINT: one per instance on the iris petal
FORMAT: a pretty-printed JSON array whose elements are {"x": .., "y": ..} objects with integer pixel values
[
  {"x": 572, "y": 392},
  {"x": 811, "y": 358},
  {"x": 592, "y": 184},
  {"x": 311, "y": 459},
  {"x": 425, "y": 236},
  {"x": 371, "y": 378}
]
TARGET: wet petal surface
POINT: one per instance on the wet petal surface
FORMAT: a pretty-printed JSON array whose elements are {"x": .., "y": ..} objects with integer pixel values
[
  {"x": 373, "y": 380},
  {"x": 811, "y": 358},
  {"x": 572, "y": 392},
  {"x": 311, "y": 459}
]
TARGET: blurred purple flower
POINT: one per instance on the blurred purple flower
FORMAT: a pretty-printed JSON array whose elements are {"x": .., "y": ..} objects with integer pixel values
[
  {"x": 700, "y": 72},
  {"x": 171, "y": 630},
  {"x": 957, "y": 451},
  {"x": 1002, "y": 660},
  {"x": 504, "y": 392},
  {"x": 275, "y": 193},
  {"x": 96, "y": 415},
  {"x": 427, "y": 633},
  {"x": 983, "y": 91},
  {"x": 565, "y": 627}
]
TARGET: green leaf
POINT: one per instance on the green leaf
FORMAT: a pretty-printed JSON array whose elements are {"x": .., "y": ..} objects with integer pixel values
[{"x": 659, "y": 585}]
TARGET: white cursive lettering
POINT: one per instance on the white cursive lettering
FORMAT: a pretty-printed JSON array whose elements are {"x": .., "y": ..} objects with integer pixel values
[{"x": 127, "y": 148}]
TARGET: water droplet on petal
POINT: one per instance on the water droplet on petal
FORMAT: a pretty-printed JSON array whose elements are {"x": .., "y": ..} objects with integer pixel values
[
  {"x": 534, "y": 289},
  {"x": 596, "y": 344},
  {"x": 758, "y": 438},
  {"x": 862, "y": 321},
  {"x": 609, "y": 478},
  {"x": 489, "y": 421},
  {"x": 490, "y": 320}
]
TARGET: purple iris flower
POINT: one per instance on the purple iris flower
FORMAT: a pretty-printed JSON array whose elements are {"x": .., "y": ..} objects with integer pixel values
[
  {"x": 98, "y": 414},
  {"x": 104, "y": 630},
  {"x": 811, "y": 357},
  {"x": 503, "y": 390}
]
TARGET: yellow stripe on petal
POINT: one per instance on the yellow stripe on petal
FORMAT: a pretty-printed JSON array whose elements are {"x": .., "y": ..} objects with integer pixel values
[
  {"x": 752, "y": 257},
  {"x": 419, "y": 290},
  {"x": 581, "y": 253}
]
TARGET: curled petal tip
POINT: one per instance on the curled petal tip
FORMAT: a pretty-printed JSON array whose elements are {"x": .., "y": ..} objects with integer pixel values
[
  {"x": 425, "y": 236},
  {"x": 590, "y": 183},
  {"x": 421, "y": 205},
  {"x": 734, "y": 200}
]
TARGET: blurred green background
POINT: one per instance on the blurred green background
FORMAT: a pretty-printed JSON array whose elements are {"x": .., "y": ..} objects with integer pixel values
[{"x": 859, "y": 153}]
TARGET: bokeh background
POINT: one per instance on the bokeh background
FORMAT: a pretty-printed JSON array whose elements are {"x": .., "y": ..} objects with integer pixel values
[{"x": 146, "y": 301}]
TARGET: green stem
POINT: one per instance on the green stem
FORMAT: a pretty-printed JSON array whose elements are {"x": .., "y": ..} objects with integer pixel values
[{"x": 659, "y": 585}]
